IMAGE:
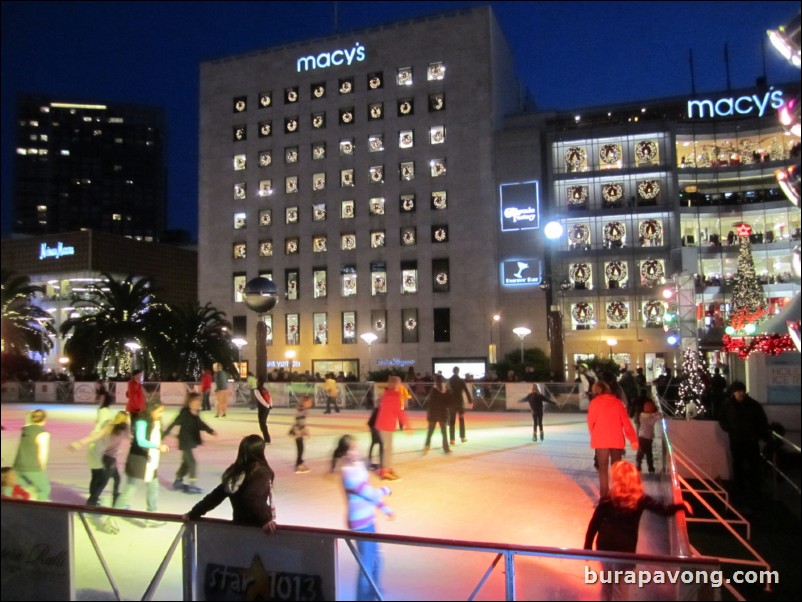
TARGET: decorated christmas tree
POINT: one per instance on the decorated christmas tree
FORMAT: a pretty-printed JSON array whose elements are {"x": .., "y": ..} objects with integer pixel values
[
  {"x": 749, "y": 308},
  {"x": 692, "y": 387}
]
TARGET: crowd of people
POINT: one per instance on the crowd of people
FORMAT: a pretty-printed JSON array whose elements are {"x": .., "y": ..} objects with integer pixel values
[{"x": 620, "y": 410}]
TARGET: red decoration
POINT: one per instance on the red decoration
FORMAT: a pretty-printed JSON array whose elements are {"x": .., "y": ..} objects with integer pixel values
[
  {"x": 770, "y": 344},
  {"x": 744, "y": 229}
]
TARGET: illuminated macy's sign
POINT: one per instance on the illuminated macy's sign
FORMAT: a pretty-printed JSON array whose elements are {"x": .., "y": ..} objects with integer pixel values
[
  {"x": 328, "y": 59},
  {"x": 60, "y": 250},
  {"x": 742, "y": 105}
]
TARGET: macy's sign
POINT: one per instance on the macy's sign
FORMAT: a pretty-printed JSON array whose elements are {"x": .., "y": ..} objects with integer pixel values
[
  {"x": 743, "y": 105},
  {"x": 327, "y": 59}
]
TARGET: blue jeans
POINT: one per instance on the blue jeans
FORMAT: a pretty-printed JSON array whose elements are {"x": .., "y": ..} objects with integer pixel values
[
  {"x": 131, "y": 485},
  {"x": 371, "y": 558}
]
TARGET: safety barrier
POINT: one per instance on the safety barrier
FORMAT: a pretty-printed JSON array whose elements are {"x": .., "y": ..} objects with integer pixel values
[{"x": 59, "y": 551}]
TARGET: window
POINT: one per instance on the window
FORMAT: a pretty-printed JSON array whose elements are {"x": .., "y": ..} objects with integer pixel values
[
  {"x": 617, "y": 314},
  {"x": 291, "y": 246},
  {"x": 407, "y": 171},
  {"x": 348, "y": 280},
  {"x": 291, "y": 184},
  {"x": 409, "y": 325},
  {"x": 290, "y": 95},
  {"x": 240, "y": 190},
  {"x": 378, "y": 324},
  {"x": 318, "y": 151},
  {"x": 347, "y": 209},
  {"x": 346, "y": 178},
  {"x": 318, "y": 90},
  {"x": 406, "y": 107},
  {"x": 406, "y": 139},
  {"x": 291, "y": 154},
  {"x": 319, "y": 244},
  {"x": 318, "y": 121},
  {"x": 265, "y": 248},
  {"x": 268, "y": 320},
  {"x": 293, "y": 336},
  {"x": 435, "y": 72},
  {"x": 347, "y": 116},
  {"x": 375, "y": 111},
  {"x": 375, "y": 80},
  {"x": 437, "y": 102},
  {"x": 409, "y": 236},
  {"x": 438, "y": 167},
  {"x": 437, "y": 134},
  {"x": 319, "y": 282},
  {"x": 407, "y": 203},
  {"x": 348, "y": 242},
  {"x": 346, "y": 147},
  {"x": 240, "y": 280},
  {"x": 240, "y": 162},
  {"x": 239, "y": 221},
  {"x": 439, "y": 234},
  {"x": 319, "y": 181},
  {"x": 439, "y": 200},
  {"x": 409, "y": 277},
  {"x": 404, "y": 76},
  {"x": 377, "y": 174},
  {"x": 239, "y": 133},
  {"x": 265, "y": 99},
  {"x": 265, "y": 217},
  {"x": 265, "y": 129},
  {"x": 265, "y": 187},
  {"x": 349, "y": 327},
  {"x": 377, "y": 206},
  {"x": 291, "y": 125},
  {"x": 320, "y": 328},
  {"x": 346, "y": 85},
  {"x": 240, "y": 104},
  {"x": 442, "y": 324},
  {"x": 378, "y": 278},
  {"x": 265, "y": 158},
  {"x": 291, "y": 215},
  {"x": 319, "y": 212},
  {"x": 441, "y": 280},
  {"x": 239, "y": 250},
  {"x": 377, "y": 239},
  {"x": 376, "y": 143},
  {"x": 291, "y": 284}
]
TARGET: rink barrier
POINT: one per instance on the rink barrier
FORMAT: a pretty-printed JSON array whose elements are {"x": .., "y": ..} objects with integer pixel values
[{"x": 301, "y": 562}]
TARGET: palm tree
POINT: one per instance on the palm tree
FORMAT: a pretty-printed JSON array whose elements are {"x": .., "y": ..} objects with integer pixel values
[
  {"x": 114, "y": 315},
  {"x": 25, "y": 326},
  {"x": 197, "y": 337}
]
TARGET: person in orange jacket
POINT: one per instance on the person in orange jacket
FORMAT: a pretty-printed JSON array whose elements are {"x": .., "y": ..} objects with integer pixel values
[{"x": 391, "y": 412}]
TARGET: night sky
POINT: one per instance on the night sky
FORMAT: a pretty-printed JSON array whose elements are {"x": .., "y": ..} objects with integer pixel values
[{"x": 569, "y": 54}]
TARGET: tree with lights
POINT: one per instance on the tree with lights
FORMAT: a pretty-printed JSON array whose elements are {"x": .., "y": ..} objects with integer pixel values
[{"x": 692, "y": 386}]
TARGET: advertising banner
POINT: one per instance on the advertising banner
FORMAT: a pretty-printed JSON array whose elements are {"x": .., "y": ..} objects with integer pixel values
[
  {"x": 243, "y": 563},
  {"x": 83, "y": 392},
  {"x": 45, "y": 391},
  {"x": 173, "y": 394},
  {"x": 36, "y": 562}
]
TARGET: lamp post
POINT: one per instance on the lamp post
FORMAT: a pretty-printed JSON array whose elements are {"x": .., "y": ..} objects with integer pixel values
[
  {"x": 491, "y": 351},
  {"x": 611, "y": 343},
  {"x": 261, "y": 295},
  {"x": 369, "y": 338},
  {"x": 240, "y": 343},
  {"x": 522, "y": 332}
]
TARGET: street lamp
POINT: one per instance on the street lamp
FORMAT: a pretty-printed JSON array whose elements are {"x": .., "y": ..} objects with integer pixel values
[
  {"x": 491, "y": 352},
  {"x": 611, "y": 343},
  {"x": 240, "y": 343},
  {"x": 522, "y": 332},
  {"x": 261, "y": 295},
  {"x": 369, "y": 338},
  {"x": 290, "y": 356}
]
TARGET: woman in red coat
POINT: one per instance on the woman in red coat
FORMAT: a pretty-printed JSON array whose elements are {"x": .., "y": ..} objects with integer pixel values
[
  {"x": 391, "y": 413},
  {"x": 608, "y": 423}
]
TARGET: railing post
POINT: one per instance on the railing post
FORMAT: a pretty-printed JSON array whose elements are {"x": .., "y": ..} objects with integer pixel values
[
  {"x": 190, "y": 561},
  {"x": 509, "y": 574}
]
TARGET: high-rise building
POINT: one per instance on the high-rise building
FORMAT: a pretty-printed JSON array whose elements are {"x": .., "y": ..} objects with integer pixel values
[
  {"x": 398, "y": 180},
  {"x": 89, "y": 166}
]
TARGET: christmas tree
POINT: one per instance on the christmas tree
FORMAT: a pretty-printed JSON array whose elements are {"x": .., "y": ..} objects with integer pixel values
[
  {"x": 748, "y": 300},
  {"x": 692, "y": 386}
]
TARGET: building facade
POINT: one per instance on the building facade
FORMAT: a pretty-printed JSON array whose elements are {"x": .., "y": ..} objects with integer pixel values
[
  {"x": 89, "y": 166},
  {"x": 65, "y": 264},
  {"x": 398, "y": 181}
]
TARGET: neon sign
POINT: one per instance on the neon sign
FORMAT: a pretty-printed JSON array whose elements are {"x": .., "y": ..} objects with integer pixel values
[
  {"x": 328, "y": 59},
  {"x": 521, "y": 272},
  {"x": 520, "y": 206},
  {"x": 743, "y": 105},
  {"x": 56, "y": 252}
]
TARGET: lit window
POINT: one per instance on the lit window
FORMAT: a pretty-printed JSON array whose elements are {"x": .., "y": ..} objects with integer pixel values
[
  {"x": 348, "y": 282},
  {"x": 319, "y": 279},
  {"x": 407, "y": 203},
  {"x": 377, "y": 239},
  {"x": 346, "y": 178},
  {"x": 406, "y": 139},
  {"x": 319, "y": 181},
  {"x": 318, "y": 151},
  {"x": 409, "y": 281},
  {"x": 240, "y": 133},
  {"x": 42, "y": 208},
  {"x": 291, "y": 184},
  {"x": 438, "y": 167},
  {"x": 407, "y": 170},
  {"x": 436, "y": 71},
  {"x": 265, "y": 217},
  {"x": 265, "y": 99},
  {"x": 377, "y": 174},
  {"x": 239, "y": 162},
  {"x": 291, "y": 246},
  {"x": 265, "y": 158},
  {"x": 409, "y": 236},
  {"x": 439, "y": 200},
  {"x": 319, "y": 244},
  {"x": 375, "y": 111},
  {"x": 240, "y": 190},
  {"x": 319, "y": 212},
  {"x": 291, "y": 215},
  {"x": 240, "y": 104},
  {"x": 239, "y": 221},
  {"x": 378, "y": 279},
  {"x": 64, "y": 153},
  {"x": 116, "y": 217},
  {"x": 347, "y": 209},
  {"x": 404, "y": 76},
  {"x": 437, "y": 134},
  {"x": 347, "y": 147},
  {"x": 265, "y": 248},
  {"x": 239, "y": 250},
  {"x": 376, "y": 143},
  {"x": 377, "y": 206},
  {"x": 348, "y": 242},
  {"x": 265, "y": 187},
  {"x": 291, "y": 154}
]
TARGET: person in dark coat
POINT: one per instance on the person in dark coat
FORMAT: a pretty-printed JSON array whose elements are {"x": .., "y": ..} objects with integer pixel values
[
  {"x": 189, "y": 437},
  {"x": 744, "y": 420},
  {"x": 536, "y": 399},
  {"x": 437, "y": 412},
  {"x": 248, "y": 485},
  {"x": 458, "y": 390}
]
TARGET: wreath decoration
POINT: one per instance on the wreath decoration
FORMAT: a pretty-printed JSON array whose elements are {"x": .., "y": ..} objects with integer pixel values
[
  {"x": 347, "y": 148},
  {"x": 292, "y": 156},
  {"x": 349, "y": 284},
  {"x": 579, "y": 272},
  {"x": 408, "y": 204},
  {"x": 406, "y": 139},
  {"x": 577, "y": 195},
  {"x": 652, "y": 270},
  {"x": 612, "y": 192},
  {"x": 240, "y": 106},
  {"x": 411, "y": 324},
  {"x": 650, "y": 229},
  {"x": 349, "y": 329},
  {"x": 266, "y": 249},
  {"x": 265, "y": 100},
  {"x": 292, "y": 125},
  {"x": 438, "y": 103},
  {"x": 439, "y": 200},
  {"x": 348, "y": 210},
  {"x": 292, "y": 247},
  {"x": 409, "y": 282},
  {"x": 438, "y": 137},
  {"x": 348, "y": 117},
  {"x": 348, "y": 179},
  {"x": 409, "y": 238},
  {"x": 377, "y": 207},
  {"x": 239, "y": 191},
  {"x": 582, "y": 312},
  {"x": 379, "y": 325},
  {"x": 376, "y": 144},
  {"x": 617, "y": 312},
  {"x": 378, "y": 240},
  {"x": 404, "y": 77},
  {"x": 319, "y": 152},
  {"x": 349, "y": 242},
  {"x": 407, "y": 172},
  {"x": 319, "y": 92},
  {"x": 320, "y": 183},
  {"x": 320, "y": 244},
  {"x": 579, "y": 233},
  {"x": 375, "y": 82},
  {"x": 346, "y": 87},
  {"x": 375, "y": 111},
  {"x": 321, "y": 288},
  {"x": 265, "y": 159},
  {"x": 269, "y": 330},
  {"x": 292, "y": 95},
  {"x": 379, "y": 283},
  {"x": 438, "y": 170},
  {"x": 575, "y": 156},
  {"x": 648, "y": 189},
  {"x": 317, "y": 121},
  {"x": 646, "y": 150},
  {"x": 440, "y": 235},
  {"x": 615, "y": 230},
  {"x": 441, "y": 278},
  {"x": 610, "y": 153},
  {"x": 376, "y": 174},
  {"x": 292, "y": 215},
  {"x": 405, "y": 107},
  {"x": 616, "y": 271},
  {"x": 265, "y": 219},
  {"x": 654, "y": 310}
]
